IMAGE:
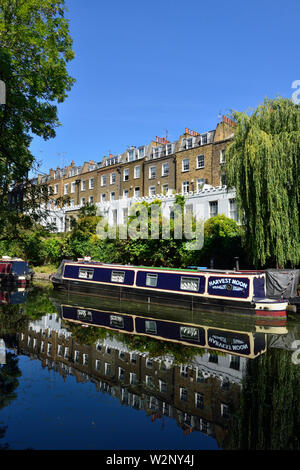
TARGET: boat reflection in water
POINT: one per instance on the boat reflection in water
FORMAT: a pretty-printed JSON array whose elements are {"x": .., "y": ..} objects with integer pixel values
[
  {"x": 246, "y": 338},
  {"x": 13, "y": 296}
]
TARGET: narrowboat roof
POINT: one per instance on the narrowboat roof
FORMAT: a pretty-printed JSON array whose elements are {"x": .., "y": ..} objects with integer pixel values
[{"x": 194, "y": 269}]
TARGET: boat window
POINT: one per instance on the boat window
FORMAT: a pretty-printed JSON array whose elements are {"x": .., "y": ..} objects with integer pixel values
[
  {"x": 86, "y": 273},
  {"x": 150, "y": 327},
  {"x": 117, "y": 276},
  {"x": 116, "y": 320},
  {"x": 151, "y": 280},
  {"x": 189, "y": 283},
  {"x": 189, "y": 333},
  {"x": 84, "y": 315}
]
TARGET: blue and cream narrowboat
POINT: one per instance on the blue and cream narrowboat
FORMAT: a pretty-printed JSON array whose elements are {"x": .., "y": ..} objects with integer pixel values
[{"x": 212, "y": 290}]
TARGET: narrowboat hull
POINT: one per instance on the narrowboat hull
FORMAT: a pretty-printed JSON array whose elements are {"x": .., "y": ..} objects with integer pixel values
[{"x": 224, "y": 292}]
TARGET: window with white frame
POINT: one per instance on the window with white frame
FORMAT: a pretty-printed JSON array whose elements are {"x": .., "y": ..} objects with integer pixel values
[
  {"x": 103, "y": 197},
  {"x": 222, "y": 156},
  {"x": 204, "y": 139},
  {"x": 225, "y": 412},
  {"x": 91, "y": 183},
  {"x": 72, "y": 202},
  {"x": 141, "y": 152},
  {"x": 185, "y": 187},
  {"x": 107, "y": 368},
  {"x": 112, "y": 178},
  {"x": 189, "y": 143},
  {"x": 91, "y": 199},
  {"x": 200, "y": 183},
  {"x": 130, "y": 155},
  {"x": 137, "y": 192},
  {"x": 149, "y": 380},
  {"x": 133, "y": 378},
  {"x": 137, "y": 171},
  {"x": 151, "y": 280},
  {"x": 85, "y": 359},
  {"x": 55, "y": 188},
  {"x": 165, "y": 188},
  {"x": 150, "y": 327},
  {"x": 82, "y": 201},
  {"x": 126, "y": 174},
  {"x": 185, "y": 164},
  {"x": 156, "y": 152},
  {"x": 165, "y": 169},
  {"x": 233, "y": 212},
  {"x": 103, "y": 180},
  {"x": 118, "y": 276},
  {"x": 189, "y": 283},
  {"x": 168, "y": 149},
  {"x": 200, "y": 161},
  {"x": 125, "y": 193},
  {"x": 152, "y": 191},
  {"x": 112, "y": 196},
  {"x": 73, "y": 187},
  {"x": 152, "y": 172},
  {"x": 183, "y": 394},
  {"x": 86, "y": 273},
  {"x": 83, "y": 183},
  {"x": 162, "y": 386},
  {"x": 213, "y": 208},
  {"x": 66, "y": 186}
]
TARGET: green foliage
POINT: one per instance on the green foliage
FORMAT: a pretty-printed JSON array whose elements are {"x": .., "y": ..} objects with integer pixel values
[
  {"x": 263, "y": 166},
  {"x": 35, "y": 47},
  {"x": 268, "y": 416},
  {"x": 222, "y": 243}
]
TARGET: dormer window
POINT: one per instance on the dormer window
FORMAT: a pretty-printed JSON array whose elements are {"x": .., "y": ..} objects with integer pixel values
[
  {"x": 189, "y": 143},
  {"x": 168, "y": 149},
  {"x": 156, "y": 152},
  {"x": 130, "y": 155},
  {"x": 204, "y": 139},
  {"x": 141, "y": 152}
]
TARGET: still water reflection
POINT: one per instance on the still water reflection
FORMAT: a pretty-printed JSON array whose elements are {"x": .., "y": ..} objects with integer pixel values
[{"x": 79, "y": 372}]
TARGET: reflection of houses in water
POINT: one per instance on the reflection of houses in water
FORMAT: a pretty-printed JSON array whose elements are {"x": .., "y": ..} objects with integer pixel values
[{"x": 199, "y": 395}]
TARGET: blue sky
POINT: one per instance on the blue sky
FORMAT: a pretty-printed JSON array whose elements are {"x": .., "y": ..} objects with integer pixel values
[{"x": 144, "y": 67}]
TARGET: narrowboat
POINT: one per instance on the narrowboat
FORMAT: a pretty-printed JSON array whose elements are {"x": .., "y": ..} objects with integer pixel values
[
  {"x": 231, "y": 291},
  {"x": 14, "y": 271}
]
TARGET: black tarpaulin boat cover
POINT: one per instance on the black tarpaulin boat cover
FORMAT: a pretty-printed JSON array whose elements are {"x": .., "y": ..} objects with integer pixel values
[{"x": 282, "y": 283}]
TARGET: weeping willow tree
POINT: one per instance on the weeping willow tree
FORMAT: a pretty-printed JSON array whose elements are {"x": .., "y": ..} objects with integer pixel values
[{"x": 263, "y": 164}]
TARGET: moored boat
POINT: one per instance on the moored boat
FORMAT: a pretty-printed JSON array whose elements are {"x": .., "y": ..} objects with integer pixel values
[
  {"x": 213, "y": 290},
  {"x": 14, "y": 271}
]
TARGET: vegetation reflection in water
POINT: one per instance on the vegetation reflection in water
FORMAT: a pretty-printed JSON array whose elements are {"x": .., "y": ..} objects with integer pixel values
[{"x": 242, "y": 403}]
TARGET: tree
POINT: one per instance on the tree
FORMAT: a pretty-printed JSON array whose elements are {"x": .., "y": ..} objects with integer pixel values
[
  {"x": 35, "y": 47},
  {"x": 262, "y": 163}
]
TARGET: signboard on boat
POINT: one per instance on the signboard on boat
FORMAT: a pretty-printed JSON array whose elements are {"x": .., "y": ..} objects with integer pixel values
[
  {"x": 229, "y": 341},
  {"x": 228, "y": 286}
]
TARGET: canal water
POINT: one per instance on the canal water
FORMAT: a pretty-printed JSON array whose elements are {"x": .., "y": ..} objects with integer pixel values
[{"x": 81, "y": 372}]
